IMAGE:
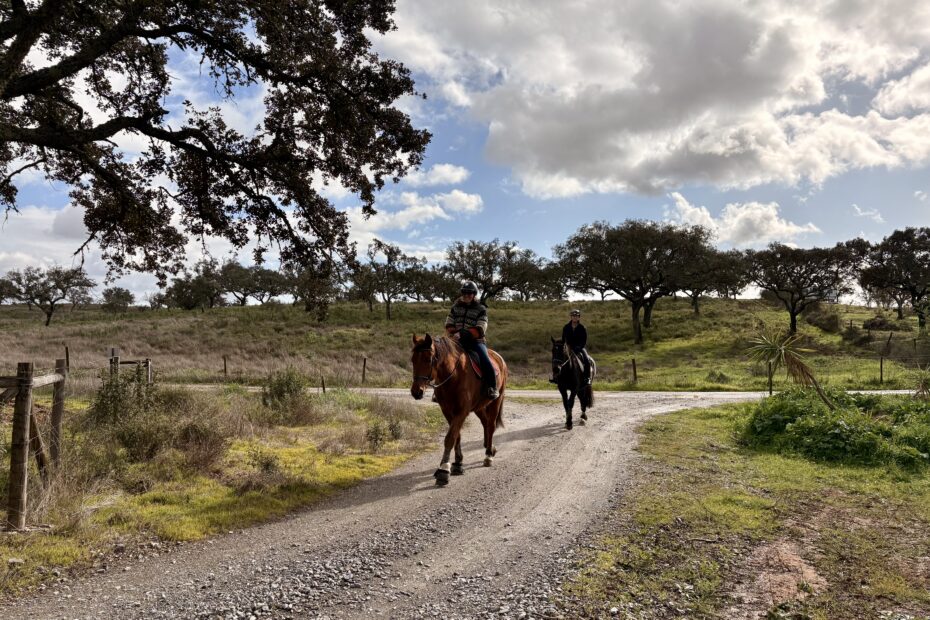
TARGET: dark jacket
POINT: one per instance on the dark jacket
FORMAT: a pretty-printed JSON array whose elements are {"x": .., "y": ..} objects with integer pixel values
[
  {"x": 575, "y": 338},
  {"x": 473, "y": 317}
]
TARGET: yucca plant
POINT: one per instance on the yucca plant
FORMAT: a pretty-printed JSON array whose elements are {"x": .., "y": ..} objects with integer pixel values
[
  {"x": 782, "y": 349},
  {"x": 922, "y": 382}
]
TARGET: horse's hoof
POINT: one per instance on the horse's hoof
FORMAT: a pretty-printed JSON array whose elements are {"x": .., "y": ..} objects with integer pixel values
[
  {"x": 457, "y": 469},
  {"x": 442, "y": 477},
  {"x": 487, "y": 461},
  {"x": 568, "y": 425},
  {"x": 581, "y": 422},
  {"x": 493, "y": 450},
  {"x": 584, "y": 416}
]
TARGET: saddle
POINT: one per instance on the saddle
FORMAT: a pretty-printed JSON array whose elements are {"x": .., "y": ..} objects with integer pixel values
[{"x": 476, "y": 364}]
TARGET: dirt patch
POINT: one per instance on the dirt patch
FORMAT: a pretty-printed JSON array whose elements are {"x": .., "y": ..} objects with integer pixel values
[{"x": 778, "y": 574}]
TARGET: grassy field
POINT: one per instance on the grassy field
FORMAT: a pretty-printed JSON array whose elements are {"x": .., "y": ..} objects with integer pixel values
[
  {"x": 682, "y": 352},
  {"x": 232, "y": 462},
  {"x": 716, "y": 530}
]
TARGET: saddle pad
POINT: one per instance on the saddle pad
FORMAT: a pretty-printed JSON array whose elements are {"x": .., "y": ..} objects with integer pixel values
[{"x": 476, "y": 365}]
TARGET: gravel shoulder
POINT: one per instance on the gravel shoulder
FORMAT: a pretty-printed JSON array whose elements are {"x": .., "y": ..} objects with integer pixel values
[{"x": 494, "y": 543}]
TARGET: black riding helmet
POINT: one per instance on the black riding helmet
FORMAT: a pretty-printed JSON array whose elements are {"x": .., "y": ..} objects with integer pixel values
[{"x": 469, "y": 287}]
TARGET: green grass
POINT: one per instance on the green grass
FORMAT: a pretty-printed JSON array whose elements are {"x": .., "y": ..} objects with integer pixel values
[
  {"x": 264, "y": 473},
  {"x": 682, "y": 351},
  {"x": 683, "y": 538}
]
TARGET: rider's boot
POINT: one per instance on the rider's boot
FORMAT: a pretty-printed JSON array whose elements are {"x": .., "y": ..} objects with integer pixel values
[
  {"x": 553, "y": 380},
  {"x": 491, "y": 391}
]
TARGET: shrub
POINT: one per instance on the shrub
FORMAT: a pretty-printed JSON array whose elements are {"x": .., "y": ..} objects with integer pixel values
[
  {"x": 883, "y": 323},
  {"x": 865, "y": 429},
  {"x": 122, "y": 397},
  {"x": 715, "y": 376},
  {"x": 827, "y": 320},
  {"x": 376, "y": 435},
  {"x": 282, "y": 386}
]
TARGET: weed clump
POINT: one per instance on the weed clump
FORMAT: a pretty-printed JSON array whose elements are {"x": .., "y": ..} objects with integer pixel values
[{"x": 864, "y": 429}]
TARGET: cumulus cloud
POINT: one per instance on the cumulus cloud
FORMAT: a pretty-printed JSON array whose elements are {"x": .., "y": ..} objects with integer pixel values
[
  {"x": 410, "y": 212},
  {"x": 437, "y": 174},
  {"x": 648, "y": 95},
  {"x": 740, "y": 224},
  {"x": 921, "y": 195},
  {"x": 872, "y": 214}
]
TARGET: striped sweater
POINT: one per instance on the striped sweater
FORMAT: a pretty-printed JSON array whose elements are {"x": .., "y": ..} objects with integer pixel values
[{"x": 472, "y": 316}]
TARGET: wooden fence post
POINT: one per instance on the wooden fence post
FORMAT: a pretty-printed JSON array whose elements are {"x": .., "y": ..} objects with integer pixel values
[
  {"x": 67, "y": 358},
  {"x": 881, "y": 369},
  {"x": 58, "y": 410},
  {"x": 323, "y": 381},
  {"x": 37, "y": 447},
  {"x": 114, "y": 365},
  {"x": 634, "y": 370},
  {"x": 19, "y": 450},
  {"x": 364, "y": 368},
  {"x": 225, "y": 370},
  {"x": 770, "y": 377}
]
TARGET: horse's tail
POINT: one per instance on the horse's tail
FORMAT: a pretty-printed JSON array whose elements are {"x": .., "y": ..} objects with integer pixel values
[{"x": 588, "y": 395}]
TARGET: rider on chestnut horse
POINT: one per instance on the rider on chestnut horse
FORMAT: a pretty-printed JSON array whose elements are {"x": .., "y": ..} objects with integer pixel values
[
  {"x": 468, "y": 322},
  {"x": 575, "y": 337}
]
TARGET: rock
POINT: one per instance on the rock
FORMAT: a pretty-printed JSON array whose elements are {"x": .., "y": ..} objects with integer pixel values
[{"x": 15, "y": 562}]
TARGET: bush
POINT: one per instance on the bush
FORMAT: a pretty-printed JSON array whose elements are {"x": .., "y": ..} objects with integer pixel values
[
  {"x": 376, "y": 435},
  {"x": 826, "y": 319},
  {"x": 883, "y": 323},
  {"x": 866, "y": 429},
  {"x": 715, "y": 376},
  {"x": 282, "y": 386},
  {"x": 124, "y": 396}
]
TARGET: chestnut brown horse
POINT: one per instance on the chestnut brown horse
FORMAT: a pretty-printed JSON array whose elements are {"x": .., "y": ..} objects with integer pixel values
[{"x": 443, "y": 365}]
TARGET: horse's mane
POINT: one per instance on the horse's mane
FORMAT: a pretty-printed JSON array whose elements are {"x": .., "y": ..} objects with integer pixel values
[{"x": 447, "y": 346}]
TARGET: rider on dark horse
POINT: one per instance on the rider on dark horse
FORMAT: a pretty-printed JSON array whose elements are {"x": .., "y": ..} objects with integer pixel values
[
  {"x": 575, "y": 337},
  {"x": 468, "y": 322}
]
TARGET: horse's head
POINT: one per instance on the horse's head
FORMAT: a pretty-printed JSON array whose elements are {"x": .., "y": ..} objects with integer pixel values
[
  {"x": 558, "y": 356},
  {"x": 422, "y": 359}
]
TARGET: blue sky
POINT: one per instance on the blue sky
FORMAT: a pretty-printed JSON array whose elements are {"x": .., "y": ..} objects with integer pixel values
[{"x": 804, "y": 123}]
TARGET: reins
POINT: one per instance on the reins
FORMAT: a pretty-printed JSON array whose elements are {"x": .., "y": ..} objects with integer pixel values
[{"x": 429, "y": 379}]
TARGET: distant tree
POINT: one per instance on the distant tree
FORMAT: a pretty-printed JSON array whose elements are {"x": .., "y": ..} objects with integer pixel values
[
  {"x": 554, "y": 284},
  {"x": 79, "y": 298},
  {"x": 316, "y": 289},
  {"x": 417, "y": 280},
  {"x": 900, "y": 266},
  {"x": 156, "y": 300},
  {"x": 443, "y": 284},
  {"x": 45, "y": 289},
  {"x": 117, "y": 299},
  {"x": 79, "y": 75},
  {"x": 363, "y": 284},
  {"x": 200, "y": 289},
  {"x": 7, "y": 290},
  {"x": 268, "y": 284},
  {"x": 800, "y": 277},
  {"x": 732, "y": 277},
  {"x": 642, "y": 261},
  {"x": 490, "y": 264},
  {"x": 527, "y": 276},
  {"x": 391, "y": 268},
  {"x": 237, "y": 280},
  {"x": 582, "y": 261}
]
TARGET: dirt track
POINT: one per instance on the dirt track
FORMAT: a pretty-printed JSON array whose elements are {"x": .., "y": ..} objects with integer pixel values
[{"x": 494, "y": 543}]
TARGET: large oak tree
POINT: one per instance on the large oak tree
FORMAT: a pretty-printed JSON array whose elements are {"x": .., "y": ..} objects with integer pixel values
[
  {"x": 45, "y": 289},
  {"x": 900, "y": 265},
  {"x": 329, "y": 115}
]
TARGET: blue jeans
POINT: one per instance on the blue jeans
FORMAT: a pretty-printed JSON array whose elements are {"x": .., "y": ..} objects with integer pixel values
[{"x": 487, "y": 370}]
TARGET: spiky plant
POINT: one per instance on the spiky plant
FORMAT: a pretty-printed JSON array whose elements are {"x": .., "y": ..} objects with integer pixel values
[
  {"x": 922, "y": 382},
  {"x": 782, "y": 349}
]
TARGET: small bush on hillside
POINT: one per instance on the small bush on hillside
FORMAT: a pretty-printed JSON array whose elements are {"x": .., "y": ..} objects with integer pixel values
[
  {"x": 122, "y": 397},
  {"x": 824, "y": 318},
  {"x": 715, "y": 376},
  {"x": 856, "y": 336},
  {"x": 376, "y": 435},
  {"x": 864, "y": 429}
]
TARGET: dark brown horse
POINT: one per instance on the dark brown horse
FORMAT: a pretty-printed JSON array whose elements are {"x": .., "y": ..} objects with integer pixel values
[
  {"x": 568, "y": 370},
  {"x": 443, "y": 365}
]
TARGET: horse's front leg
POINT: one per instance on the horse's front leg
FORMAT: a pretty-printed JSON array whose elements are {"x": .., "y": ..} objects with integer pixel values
[
  {"x": 455, "y": 430},
  {"x": 568, "y": 402}
]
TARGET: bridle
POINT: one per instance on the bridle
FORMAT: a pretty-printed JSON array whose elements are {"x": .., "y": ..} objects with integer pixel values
[
  {"x": 561, "y": 362},
  {"x": 428, "y": 379}
]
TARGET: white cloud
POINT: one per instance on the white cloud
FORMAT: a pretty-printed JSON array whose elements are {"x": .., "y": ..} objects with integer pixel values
[
  {"x": 438, "y": 174},
  {"x": 872, "y": 214},
  {"x": 740, "y": 224},
  {"x": 460, "y": 202},
  {"x": 646, "y": 95},
  {"x": 921, "y": 195}
]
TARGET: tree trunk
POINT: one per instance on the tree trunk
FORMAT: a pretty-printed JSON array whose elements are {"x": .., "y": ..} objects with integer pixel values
[
  {"x": 371, "y": 305},
  {"x": 921, "y": 319},
  {"x": 900, "y": 311},
  {"x": 647, "y": 312},
  {"x": 48, "y": 316},
  {"x": 387, "y": 307},
  {"x": 794, "y": 321},
  {"x": 637, "y": 328},
  {"x": 695, "y": 305}
]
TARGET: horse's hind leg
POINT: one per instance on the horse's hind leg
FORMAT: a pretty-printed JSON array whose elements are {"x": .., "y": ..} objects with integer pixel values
[
  {"x": 569, "y": 406},
  {"x": 489, "y": 419},
  {"x": 445, "y": 468},
  {"x": 457, "y": 469}
]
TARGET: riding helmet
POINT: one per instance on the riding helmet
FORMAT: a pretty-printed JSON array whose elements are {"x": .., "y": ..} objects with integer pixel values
[
  {"x": 575, "y": 312},
  {"x": 469, "y": 287}
]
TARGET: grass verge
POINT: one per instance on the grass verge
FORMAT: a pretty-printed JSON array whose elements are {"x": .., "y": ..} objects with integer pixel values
[{"x": 712, "y": 529}]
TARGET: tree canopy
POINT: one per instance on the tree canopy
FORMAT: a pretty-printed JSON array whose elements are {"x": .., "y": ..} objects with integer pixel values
[
  {"x": 45, "y": 289},
  {"x": 76, "y": 78}
]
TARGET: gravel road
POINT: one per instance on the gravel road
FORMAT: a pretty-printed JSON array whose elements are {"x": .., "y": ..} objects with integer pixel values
[{"x": 495, "y": 543}]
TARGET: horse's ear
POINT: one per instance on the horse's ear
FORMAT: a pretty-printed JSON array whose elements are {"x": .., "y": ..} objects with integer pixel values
[
  {"x": 428, "y": 340},
  {"x": 414, "y": 338},
  {"x": 552, "y": 339}
]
